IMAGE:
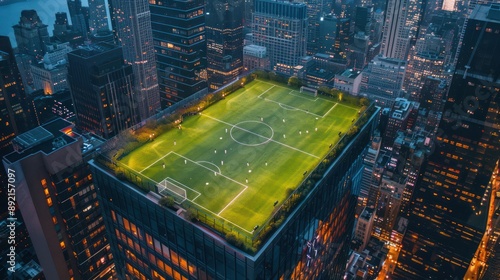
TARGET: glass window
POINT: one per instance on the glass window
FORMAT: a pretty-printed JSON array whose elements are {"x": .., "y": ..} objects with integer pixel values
[
  {"x": 157, "y": 246},
  {"x": 166, "y": 251}
]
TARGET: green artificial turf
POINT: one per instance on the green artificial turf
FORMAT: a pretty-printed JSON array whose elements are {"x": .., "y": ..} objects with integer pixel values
[{"x": 217, "y": 151}]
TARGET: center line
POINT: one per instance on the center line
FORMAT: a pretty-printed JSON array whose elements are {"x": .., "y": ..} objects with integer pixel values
[{"x": 272, "y": 140}]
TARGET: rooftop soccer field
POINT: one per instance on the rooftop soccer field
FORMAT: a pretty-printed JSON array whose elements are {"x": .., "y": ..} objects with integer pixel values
[{"x": 239, "y": 156}]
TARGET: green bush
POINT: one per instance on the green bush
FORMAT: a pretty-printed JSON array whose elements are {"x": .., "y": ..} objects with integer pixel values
[
  {"x": 167, "y": 201},
  {"x": 233, "y": 239}
]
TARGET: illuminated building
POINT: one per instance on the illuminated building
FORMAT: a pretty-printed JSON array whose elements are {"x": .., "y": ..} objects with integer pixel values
[
  {"x": 281, "y": 27},
  {"x": 364, "y": 227},
  {"x": 15, "y": 116},
  {"x": 395, "y": 40},
  {"x": 316, "y": 9},
  {"x": 31, "y": 34},
  {"x": 50, "y": 75},
  {"x": 59, "y": 203},
  {"x": 98, "y": 19},
  {"x": 382, "y": 80},
  {"x": 131, "y": 21},
  {"x": 180, "y": 47},
  {"x": 224, "y": 31},
  {"x": 61, "y": 25},
  {"x": 450, "y": 205},
  {"x": 348, "y": 81},
  {"x": 150, "y": 241},
  {"x": 432, "y": 99},
  {"x": 255, "y": 57},
  {"x": 327, "y": 29},
  {"x": 401, "y": 117},
  {"x": 101, "y": 86},
  {"x": 433, "y": 53}
]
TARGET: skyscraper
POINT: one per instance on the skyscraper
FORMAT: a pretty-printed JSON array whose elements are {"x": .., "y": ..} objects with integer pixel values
[
  {"x": 224, "y": 30},
  {"x": 102, "y": 89},
  {"x": 449, "y": 215},
  {"x": 57, "y": 198},
  {"x": 155, "y": 240},
  {"x": 281, "y": 27},
  {"x": 180, "y": 47},
  {"x": 402, "y": 18},
  {"x": 77, "y": 16},
  {"x": 31, "y": 34},
  {"x": 14, "y": 113},
  {"x": 382, "y": 80},
  {"x": 61, "y": 25},
  {"x": 316, "y": 9},
  {"x": 132, "y": 24},
  {"x": 98, "y": 20},
  {"x": 433, "y": 52}
]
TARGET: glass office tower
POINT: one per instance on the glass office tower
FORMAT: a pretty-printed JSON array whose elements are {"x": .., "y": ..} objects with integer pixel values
[
  {"x": 180, "y": 46},
  {"x": 450, "y": 205}
]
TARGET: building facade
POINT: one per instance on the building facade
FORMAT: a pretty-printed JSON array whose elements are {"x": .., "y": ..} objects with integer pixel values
[
  {"x": 395, "y": 40},
  {"x": 98, "y": 20},
  {"x": 78, "y": 20},
  {"x": 31, "y": 34},
  {"x": 382, "y": 80},
  {"x": 450, "y": 204},
  {"x": 255, "y": 57},
  {"x": 56, "y": 195},
  {"x": 101, "y": 86},
  {"x": 154, "y": 242},
  {"x": 15, "y": 115},
  {"x": 132, "y": 25},
  {"x": 180, "y": 46},
  {"x": 224, "y": 30},
  {"x": 281, "y": 27}
]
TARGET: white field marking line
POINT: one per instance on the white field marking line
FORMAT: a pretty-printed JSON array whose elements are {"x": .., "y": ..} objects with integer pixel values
[
  {"x": 251, "y": 132},
  {"x": 265, "y": 91},
  {"x": 286, "y": 107},
  {"x": 181, "y": 185},
  {"x": 324, "y": 99},
  {"x": 223, "y": 218},
  {"x": 298, "y": 109},
  {"x": 330, "y": 110},
  {"x": 230, "y": 202},
  {"x": 232, "y": 180},
  {"x": 299, "y": 96},
  {"x": 155, "y": 162},
  {"x": 196, "y": 197},
  {"x": 200, "y": 161}
]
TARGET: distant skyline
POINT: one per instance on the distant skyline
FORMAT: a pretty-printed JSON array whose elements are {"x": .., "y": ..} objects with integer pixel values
[{"x": 9, "y": 14}]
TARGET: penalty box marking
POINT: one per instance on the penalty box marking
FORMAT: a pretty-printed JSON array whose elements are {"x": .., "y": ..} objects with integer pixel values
[
  {"x": 155, "y": 161},
  {"x": 251, "y": 132},
  {"x": 230, "y": 179},
  {"x": 295, "y": 108},
  {"x": 265, "y": 91}
]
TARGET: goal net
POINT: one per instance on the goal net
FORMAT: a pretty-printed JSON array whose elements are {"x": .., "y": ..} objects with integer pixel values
[
  {"x": 309, "y": 91},
  {"x": 167, "y": 187}
]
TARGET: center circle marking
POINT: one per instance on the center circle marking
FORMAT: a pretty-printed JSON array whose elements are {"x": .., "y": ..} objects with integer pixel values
[{"x": 264, "y": 138}]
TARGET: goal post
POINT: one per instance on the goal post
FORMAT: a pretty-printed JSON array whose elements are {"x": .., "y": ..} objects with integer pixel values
[
  {"x": 167, "y": 187},
  {"x": 309, "y": 91}
]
